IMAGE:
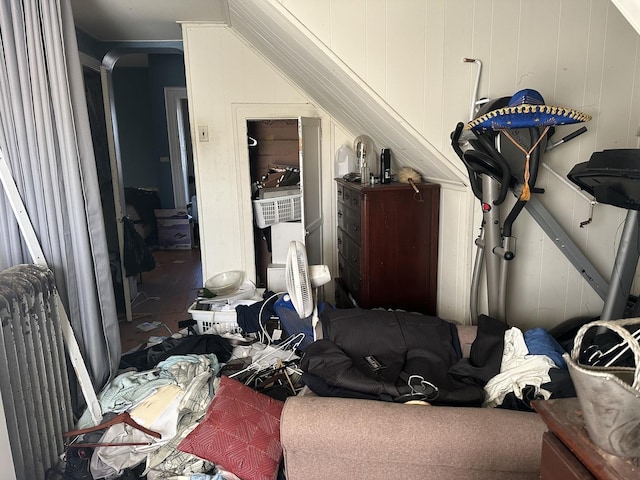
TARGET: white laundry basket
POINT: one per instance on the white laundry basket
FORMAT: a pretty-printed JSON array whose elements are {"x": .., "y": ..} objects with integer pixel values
[
  {"x": 278, "y": 209},
  {"x": 214, "y": 322}
]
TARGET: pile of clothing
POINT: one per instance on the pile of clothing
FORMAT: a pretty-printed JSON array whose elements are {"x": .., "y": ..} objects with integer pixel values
[
  {"x": 162, "y": 395},
  {"x": 399, "y": 356}
]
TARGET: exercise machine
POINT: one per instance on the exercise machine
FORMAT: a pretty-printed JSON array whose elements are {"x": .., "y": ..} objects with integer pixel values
[{"x": 500, "y": 161}]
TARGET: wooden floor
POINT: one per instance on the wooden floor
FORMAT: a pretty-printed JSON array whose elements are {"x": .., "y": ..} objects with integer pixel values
[{"x": 164, "y": 295}]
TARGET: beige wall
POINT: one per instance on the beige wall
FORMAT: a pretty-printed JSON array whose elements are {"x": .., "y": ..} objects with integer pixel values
[
  {"x": 577, "y": 53},
  {"x": 227, "y": 84}
]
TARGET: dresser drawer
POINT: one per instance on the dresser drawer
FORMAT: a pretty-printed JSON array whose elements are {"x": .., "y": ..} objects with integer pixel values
[
  {"x": 558, "y": 463},
  {"x": 351, "y": 198},
  {"x": 350, "y": 277},
  {"x": 342, "y": 294},
  {"x": 349, "y": 221},
  {"x": 350, "y": 250}
]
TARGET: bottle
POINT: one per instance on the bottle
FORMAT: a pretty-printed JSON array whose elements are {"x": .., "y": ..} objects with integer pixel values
[
  {"x": 345, "y": 161},
  {"x": 385, "y": 165},
  {"x": 364, "y": 174}
]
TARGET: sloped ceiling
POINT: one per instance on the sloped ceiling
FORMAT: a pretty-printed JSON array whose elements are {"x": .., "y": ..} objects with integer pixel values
[
  {"x": 286, "y": 44},
  {"x": 631, "y": 11}
]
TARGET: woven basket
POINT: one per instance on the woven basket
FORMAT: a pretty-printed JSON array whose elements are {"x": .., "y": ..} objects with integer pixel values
[{"x": 609, "y": 396}]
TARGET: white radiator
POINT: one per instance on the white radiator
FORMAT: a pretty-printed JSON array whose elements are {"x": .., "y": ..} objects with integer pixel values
[{"x": 34, "y": 385}]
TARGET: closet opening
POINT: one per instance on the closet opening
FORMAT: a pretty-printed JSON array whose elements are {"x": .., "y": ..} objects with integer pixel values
[{"x": 276, "y": 194}]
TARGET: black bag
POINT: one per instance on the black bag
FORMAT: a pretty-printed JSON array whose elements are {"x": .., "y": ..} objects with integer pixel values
[{"x": 137, "y": 256}]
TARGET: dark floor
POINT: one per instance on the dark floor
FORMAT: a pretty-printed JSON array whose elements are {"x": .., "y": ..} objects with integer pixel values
[{"x": 164, "y": 295}]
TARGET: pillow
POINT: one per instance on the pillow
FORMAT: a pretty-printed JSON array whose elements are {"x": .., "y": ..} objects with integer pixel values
[{"x": 240, "y": 432}]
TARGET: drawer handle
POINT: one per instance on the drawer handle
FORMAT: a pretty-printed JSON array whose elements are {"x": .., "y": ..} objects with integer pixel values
[
  {"x": 347, "y": 196},
  {"x": 340, "y": 214},
  {"x": 356, "y": 228}
]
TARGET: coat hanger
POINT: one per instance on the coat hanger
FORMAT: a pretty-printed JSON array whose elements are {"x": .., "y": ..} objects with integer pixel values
[
  {"x": 123, "y": 417},
  {"x": 268, "y": 360}
]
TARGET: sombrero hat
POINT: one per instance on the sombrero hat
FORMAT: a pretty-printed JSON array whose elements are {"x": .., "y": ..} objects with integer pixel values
[{"x": 526, "y": 109}]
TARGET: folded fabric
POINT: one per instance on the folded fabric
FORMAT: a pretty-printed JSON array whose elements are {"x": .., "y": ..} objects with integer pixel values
[
  {"x": 540, "y": 342},
  {"x": 517, "y": 371},
  {"x": 486, "y": 353}
]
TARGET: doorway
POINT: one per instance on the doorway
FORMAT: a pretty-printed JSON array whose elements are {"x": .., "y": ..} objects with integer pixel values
[
  {"x": 180, "y": 147},
  {"x": 142, "y": 162},
  {"x": 284, "y": 171},
  {"x": 95, "y": 107},
  {"x": 274, "y": 168}
]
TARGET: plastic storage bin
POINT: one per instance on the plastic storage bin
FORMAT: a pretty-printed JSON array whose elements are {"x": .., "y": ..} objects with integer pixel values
[
  {"x": 276, "y": 210},
  {"x": 212, "y": 321}
]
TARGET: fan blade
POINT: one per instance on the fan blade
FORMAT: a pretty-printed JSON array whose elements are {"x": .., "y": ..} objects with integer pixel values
[{"x": 298, "y": 280}]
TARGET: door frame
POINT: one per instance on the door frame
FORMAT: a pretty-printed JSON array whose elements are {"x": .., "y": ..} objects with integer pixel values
[
  {"x": 106, "y": 73},
  {"x": 241, "y": 113},
  {"x": 173, "y": 97}
]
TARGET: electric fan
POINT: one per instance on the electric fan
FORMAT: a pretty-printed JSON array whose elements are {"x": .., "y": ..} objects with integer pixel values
[{"x": 302, "y": 280}]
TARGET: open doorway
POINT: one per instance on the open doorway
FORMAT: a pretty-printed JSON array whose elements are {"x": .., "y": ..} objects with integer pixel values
[
  {"x": 95, "y": 106},
  {"x": 180, "y": 147},
  {"x": 284, "y": 170},
  {"x": 274, "y": 168},
  {"x": 146, "y": 170}
]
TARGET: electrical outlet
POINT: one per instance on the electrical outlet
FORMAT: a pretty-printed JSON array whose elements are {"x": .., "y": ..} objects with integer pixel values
[{"x": 203, "y": 133}]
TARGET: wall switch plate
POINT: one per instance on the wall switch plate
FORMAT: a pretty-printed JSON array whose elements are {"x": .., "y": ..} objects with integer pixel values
[{"x": 203, "y": 133}]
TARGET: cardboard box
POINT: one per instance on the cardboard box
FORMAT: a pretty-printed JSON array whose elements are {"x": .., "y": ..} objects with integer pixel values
[
  {"x": 174, "y": 229},
  {"x": 171, "y": 213}
]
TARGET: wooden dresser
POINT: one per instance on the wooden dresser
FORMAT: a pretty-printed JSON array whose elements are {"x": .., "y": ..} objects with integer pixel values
[
  {"x": 388, "y": 246},
  {"x": 567, "y": 451}
]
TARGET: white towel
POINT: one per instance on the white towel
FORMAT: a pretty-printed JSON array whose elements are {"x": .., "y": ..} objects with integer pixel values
[{"x": 517, "y": 370}]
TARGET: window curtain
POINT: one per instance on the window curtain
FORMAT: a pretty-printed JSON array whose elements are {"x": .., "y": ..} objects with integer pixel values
[{"x": 45, "y": 138}]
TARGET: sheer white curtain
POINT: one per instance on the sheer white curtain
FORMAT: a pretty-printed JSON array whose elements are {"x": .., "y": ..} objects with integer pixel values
[{"x": 46, "y": 140}]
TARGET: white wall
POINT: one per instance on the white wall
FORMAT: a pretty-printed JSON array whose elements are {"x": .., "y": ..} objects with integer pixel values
[
  {"x": 228, "y": 83},
  {"x": 578, "y": 53}
]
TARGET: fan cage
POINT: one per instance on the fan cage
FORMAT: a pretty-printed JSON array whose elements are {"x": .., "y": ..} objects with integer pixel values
[{"x": 298, "y": 280}]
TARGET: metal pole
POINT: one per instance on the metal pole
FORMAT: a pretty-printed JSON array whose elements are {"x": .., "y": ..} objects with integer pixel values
[
  {"x": 624, "y": 269},
  {"x": 492, "y": 240}
]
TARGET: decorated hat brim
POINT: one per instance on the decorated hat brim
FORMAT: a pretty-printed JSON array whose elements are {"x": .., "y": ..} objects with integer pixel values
[{"x": 526, "y": 116}]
